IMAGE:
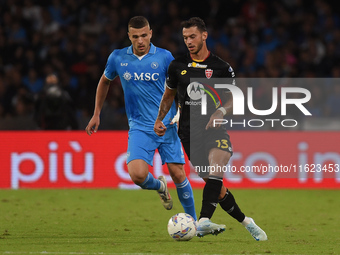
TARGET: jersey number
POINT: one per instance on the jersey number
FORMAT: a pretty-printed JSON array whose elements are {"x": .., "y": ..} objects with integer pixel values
[{"x": 223, "y": 143}]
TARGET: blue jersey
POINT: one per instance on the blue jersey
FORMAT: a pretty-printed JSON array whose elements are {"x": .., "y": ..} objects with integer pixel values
[{"x": 143, "y": 82}]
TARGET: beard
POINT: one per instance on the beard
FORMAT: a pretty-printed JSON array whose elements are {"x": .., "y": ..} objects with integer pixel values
[{"x": 199, "y": 47}]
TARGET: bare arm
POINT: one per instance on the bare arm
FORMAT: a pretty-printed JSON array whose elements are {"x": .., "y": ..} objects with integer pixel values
[
  {"x": 228, "y": 106},
  {"x": 166, "y": 102},
  {"x": 165, "y": 105},
  {"x": 218, "y": 114},
  {"x": 102, "y": 90}
]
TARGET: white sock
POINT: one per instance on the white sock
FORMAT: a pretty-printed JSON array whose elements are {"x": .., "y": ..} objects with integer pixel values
[
  {"x": 246, "y": 221},
  {"x": 202, "y": 219}
]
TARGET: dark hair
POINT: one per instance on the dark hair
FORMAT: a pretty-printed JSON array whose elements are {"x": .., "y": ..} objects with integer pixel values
[
  {"x": 138, "y": 22},
  {"x": 194, "y": 22}
]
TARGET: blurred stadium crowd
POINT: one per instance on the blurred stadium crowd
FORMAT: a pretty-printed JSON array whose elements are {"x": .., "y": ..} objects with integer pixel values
[{"x": 73, "y": 38}]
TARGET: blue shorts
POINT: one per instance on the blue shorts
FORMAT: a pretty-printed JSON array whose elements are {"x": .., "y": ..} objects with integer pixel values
[{"x": 142, "y": 145}]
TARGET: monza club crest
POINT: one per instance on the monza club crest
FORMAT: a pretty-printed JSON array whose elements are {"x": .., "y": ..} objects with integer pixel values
[{"x": 208, "y": 73}]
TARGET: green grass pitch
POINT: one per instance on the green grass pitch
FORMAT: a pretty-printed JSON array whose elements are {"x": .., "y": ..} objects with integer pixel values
[{"x": 112, "y": 221}]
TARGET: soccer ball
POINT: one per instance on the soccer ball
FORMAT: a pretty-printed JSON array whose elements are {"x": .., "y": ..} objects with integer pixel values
[{"x": 182, "y": 227}]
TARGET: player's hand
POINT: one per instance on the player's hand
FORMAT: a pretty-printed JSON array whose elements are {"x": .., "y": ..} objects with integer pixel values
[
  {"x": 216, "y": 115},
  {"x": 159, "y": 127},
  {"x": 93, "y": 125}
]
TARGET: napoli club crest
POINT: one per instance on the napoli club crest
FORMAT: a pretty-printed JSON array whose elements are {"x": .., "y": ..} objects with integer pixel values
[{"x": 208, "y": 73}]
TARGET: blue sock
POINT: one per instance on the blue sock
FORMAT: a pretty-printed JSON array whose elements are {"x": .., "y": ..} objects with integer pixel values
[
  {"x": 185, "y": 195},
  {"x": 150, "y": 182}
]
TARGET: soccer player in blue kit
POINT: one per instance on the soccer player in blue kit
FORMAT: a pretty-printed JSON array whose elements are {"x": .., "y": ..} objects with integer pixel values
[{"x": 142, "y": 69}]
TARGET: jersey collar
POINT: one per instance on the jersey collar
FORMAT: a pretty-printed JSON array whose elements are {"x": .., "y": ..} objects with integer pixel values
[
  {"x": 196, "y": 60},
  {"x": 151, "y": 51}
]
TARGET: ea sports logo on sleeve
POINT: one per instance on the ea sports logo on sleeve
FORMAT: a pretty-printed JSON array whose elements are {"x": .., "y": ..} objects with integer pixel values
[{"x": 195, "y": 90}]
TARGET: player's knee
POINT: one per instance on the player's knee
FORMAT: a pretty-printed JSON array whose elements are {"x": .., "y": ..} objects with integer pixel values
[
  {"x": 138, "y": 178},
  {"x": 218, "y": 157},
  {"x": 138, "y": 171},
  {"x": 178, "y": 177},
  {"x": 177, "y": 174}
]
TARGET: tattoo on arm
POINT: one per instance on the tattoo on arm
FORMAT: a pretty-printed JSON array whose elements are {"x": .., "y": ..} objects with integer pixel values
[{"x": 166, "y": 103}]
